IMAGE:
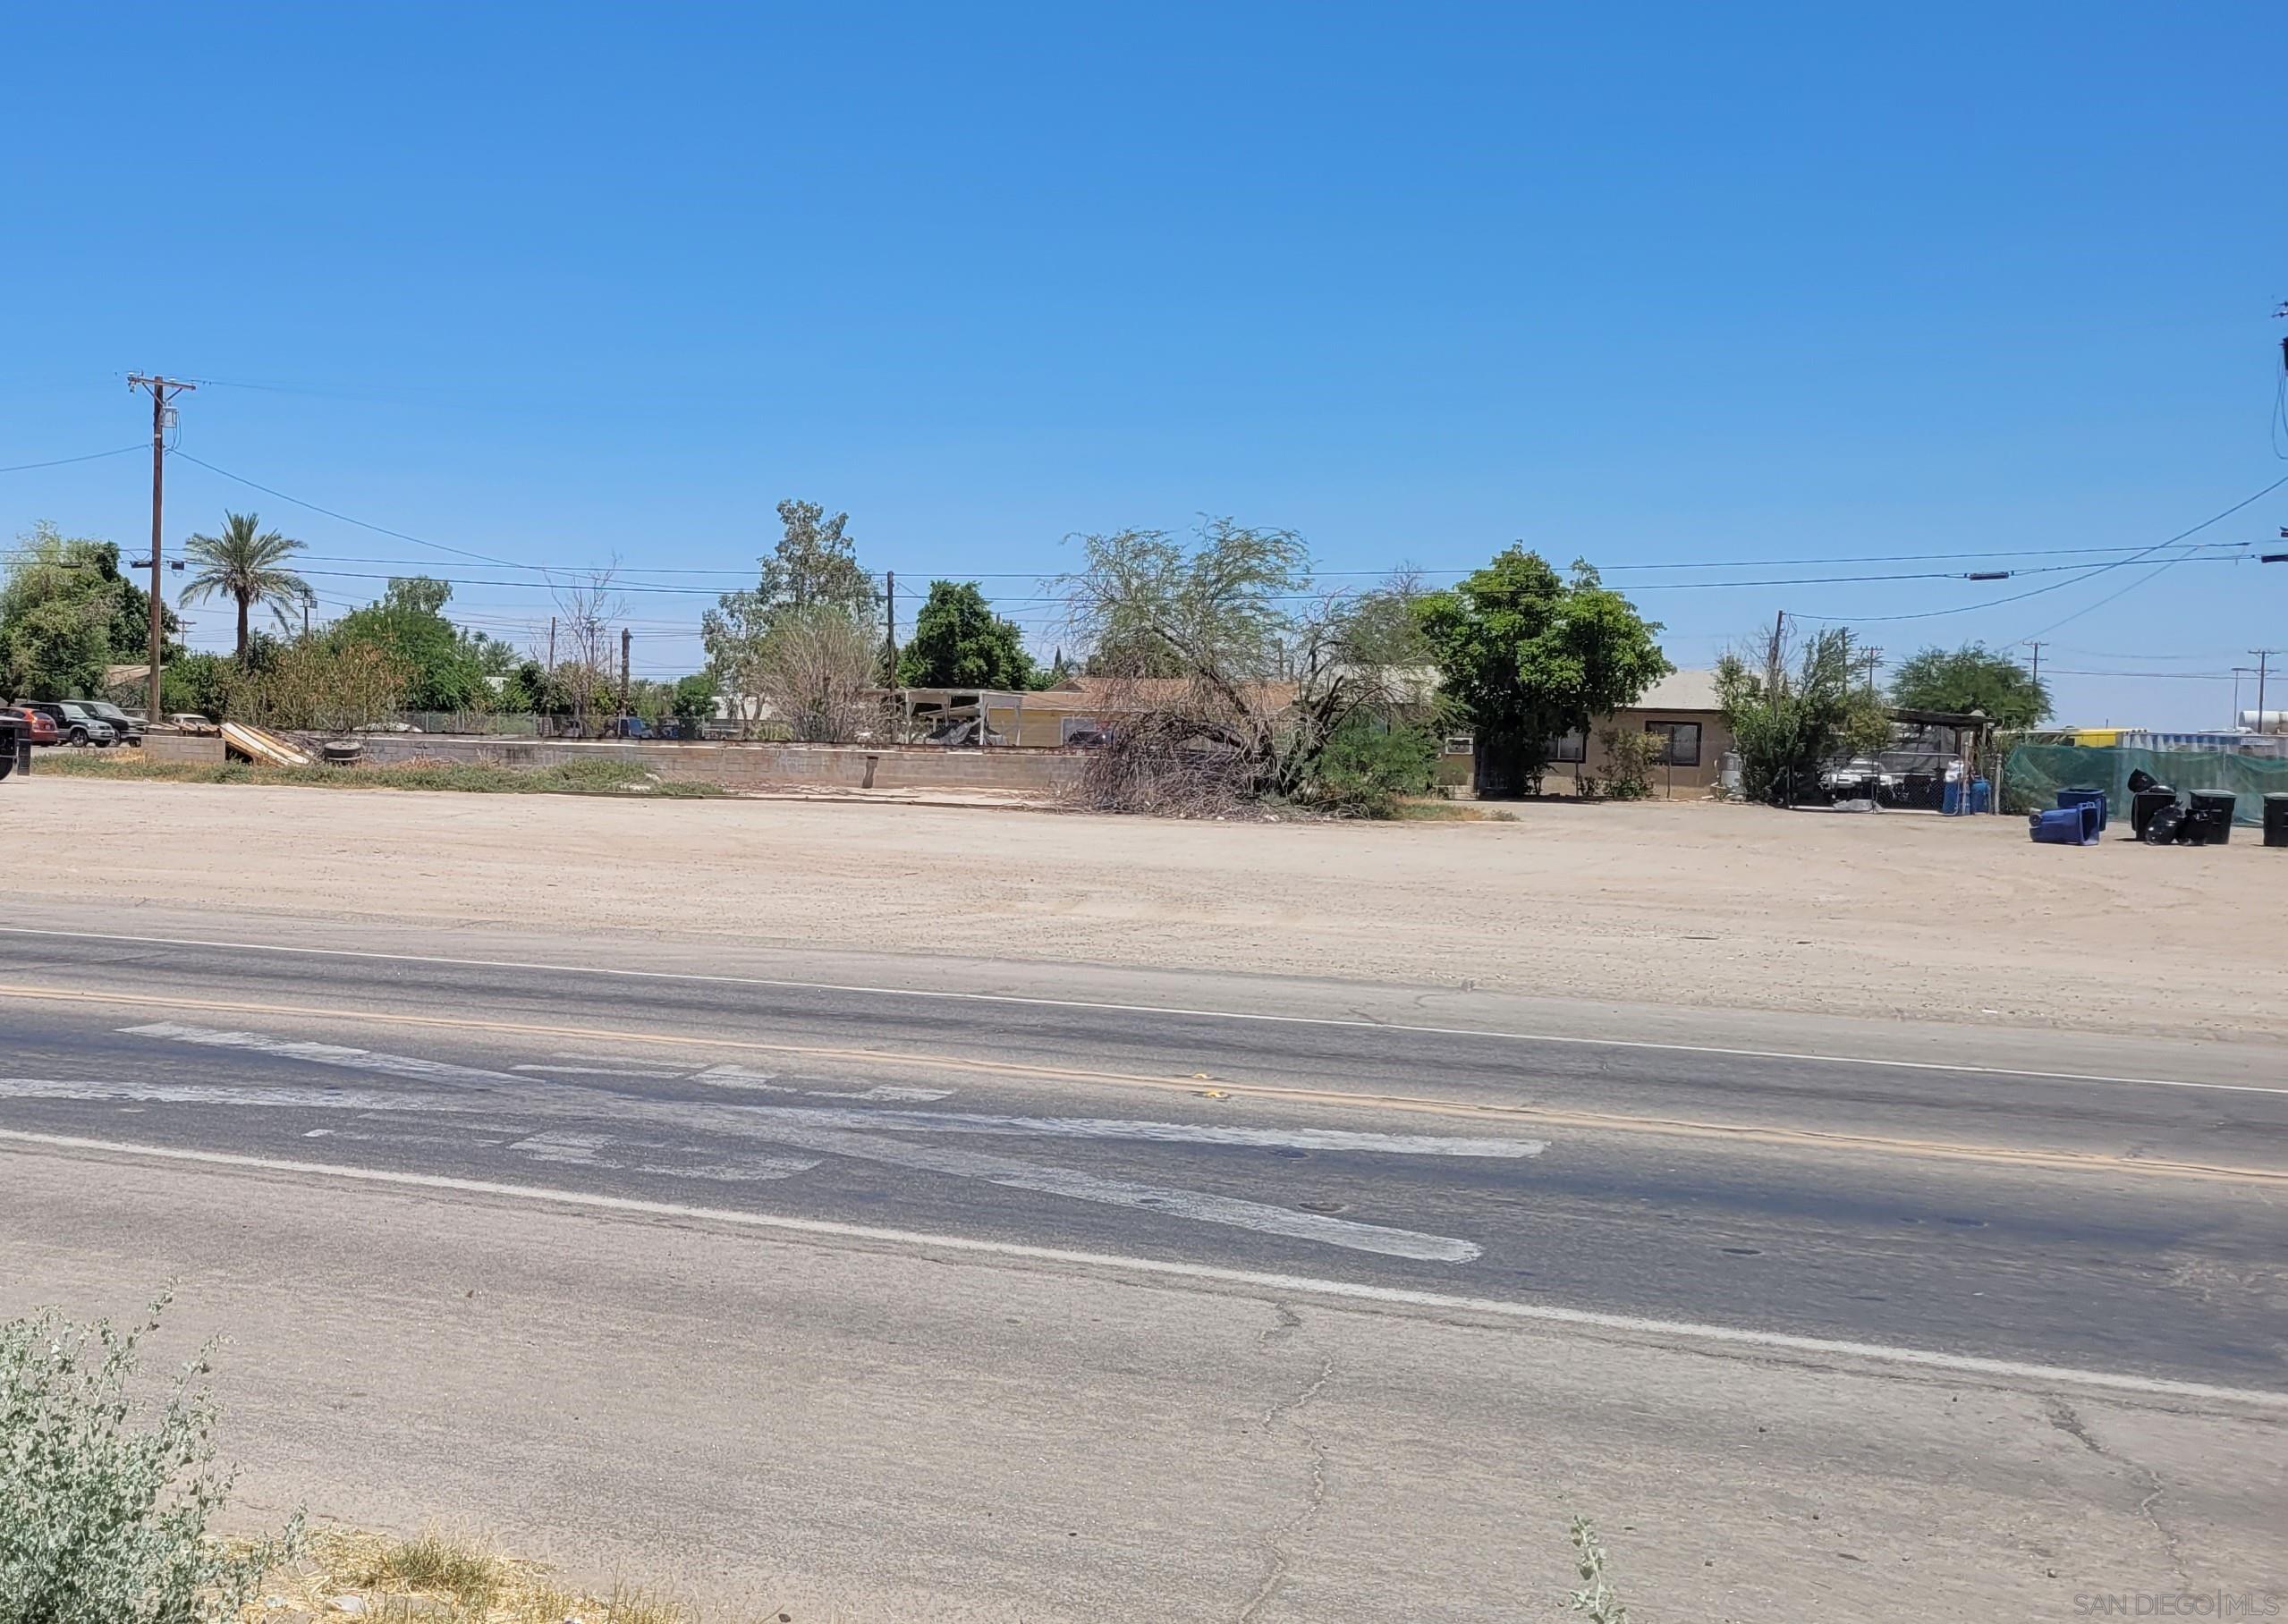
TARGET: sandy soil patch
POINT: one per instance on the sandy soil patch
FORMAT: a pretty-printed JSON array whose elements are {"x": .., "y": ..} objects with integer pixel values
[{"x": 1693, "y": 904}]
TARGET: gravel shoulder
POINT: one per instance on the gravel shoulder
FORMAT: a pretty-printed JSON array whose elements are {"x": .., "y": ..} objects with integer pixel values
[{"x": 1691, "y": 905}]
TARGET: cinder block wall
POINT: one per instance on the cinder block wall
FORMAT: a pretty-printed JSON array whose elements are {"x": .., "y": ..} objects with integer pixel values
[
  {"x": 756, "y": 766},
  {"x": 194, "y": 750}
]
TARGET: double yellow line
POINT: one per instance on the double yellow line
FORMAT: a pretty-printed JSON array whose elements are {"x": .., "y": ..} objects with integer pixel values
[{"x": 1798, "y": 1138}]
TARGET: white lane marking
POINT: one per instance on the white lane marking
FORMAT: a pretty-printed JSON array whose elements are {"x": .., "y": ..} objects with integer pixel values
[
  {"x": 883, "y": 1091},
  {"x": 736, "y": 1170},
  {"x": 324, "y": 1054},
  {"x": 571, "y": 1149},
  {"x": 1159, "y": 1133},
  {"x": 1169, "y": 1269},
  {"x": 595, "y": 1071},
  {"x": 587, "y": 1150},
  {"x": 211, "y": 1094},
  {"x": 1077, "y": 1185},
  {"x": 738, "y": 1076},
  {"x": 1954, "y": 1067}
]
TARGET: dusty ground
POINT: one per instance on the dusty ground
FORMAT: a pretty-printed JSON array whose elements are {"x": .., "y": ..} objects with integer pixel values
[{"x": 1695, "y": 904}]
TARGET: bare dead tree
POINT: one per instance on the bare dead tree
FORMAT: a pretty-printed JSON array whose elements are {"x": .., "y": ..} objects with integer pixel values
[
  {"x": 586, "y": 610},
  {"x": 816, "y": 669},
  {"x": 1220, "y": 690}
]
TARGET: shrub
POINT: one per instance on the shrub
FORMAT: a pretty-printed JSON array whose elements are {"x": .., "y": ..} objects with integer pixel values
[
  {"x": 1367, "y": 764},
  {"x": 1630, "y": 754},
  {"x": 102, "y": 1522}
]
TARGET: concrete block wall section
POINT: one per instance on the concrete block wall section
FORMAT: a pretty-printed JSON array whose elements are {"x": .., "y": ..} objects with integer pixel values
[{"x": 193, "y": 749}]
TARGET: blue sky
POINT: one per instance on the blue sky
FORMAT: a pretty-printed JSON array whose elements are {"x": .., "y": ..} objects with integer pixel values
[{"x": 1652, "y": 286}]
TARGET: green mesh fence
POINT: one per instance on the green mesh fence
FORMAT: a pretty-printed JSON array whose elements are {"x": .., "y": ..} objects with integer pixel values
[{"x": 2035, "y": 773}]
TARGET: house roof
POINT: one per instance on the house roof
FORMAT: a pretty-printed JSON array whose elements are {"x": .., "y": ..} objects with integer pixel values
[
  {"x": 1681, "y": 691},
  {"x": 1141, "y": 693}
]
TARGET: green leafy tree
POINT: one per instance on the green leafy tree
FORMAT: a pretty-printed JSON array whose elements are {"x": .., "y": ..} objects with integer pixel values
[
  {"x": 814, "y": 567},
  {"x": 66, "y": 612},
  {"x": 206, "y": 683},
  {"x": 447, "y": 668},
  {"x": 1788, "y": 724},
  {"x": 1258, "y": 678},
  {"x": 247, "y": 564},
  {"x": 1529, "y": 655},
  {"x": 959, "y": 642},
  {"x": 693, "y": 701},
  {"x": 1154, "y": 606},
  {"x": 1970, "y": 678}
]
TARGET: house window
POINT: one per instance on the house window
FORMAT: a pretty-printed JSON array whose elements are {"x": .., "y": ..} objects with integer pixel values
[
  {"x": 1570, "y": 747},
  {"x": 1683, "y": 747}
]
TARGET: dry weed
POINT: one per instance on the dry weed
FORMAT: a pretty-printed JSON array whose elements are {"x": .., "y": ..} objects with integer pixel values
[{"x": 439, "y": 1579}]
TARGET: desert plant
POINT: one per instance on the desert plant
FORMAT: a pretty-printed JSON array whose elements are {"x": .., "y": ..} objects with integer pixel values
[
  {"x": 1630, "y": 754},
  {"x": 1786, "y": 724},
  {"x": 103, "y": 1522},
  {"x": 1368, "y": 764},
  {"x": 1595, "y": 1599}
]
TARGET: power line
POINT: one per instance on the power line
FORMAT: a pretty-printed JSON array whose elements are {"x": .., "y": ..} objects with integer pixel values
[
  {"x": 378, "y": 529},
  {"x": 2090, "y": 574},
  {"x": 116, "y": 451}
]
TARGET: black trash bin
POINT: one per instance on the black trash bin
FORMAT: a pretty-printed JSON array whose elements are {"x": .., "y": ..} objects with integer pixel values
[
  {"x": 15, "y": 746},
  {"x": 2213, "y": 807},
  {"x": 2144, "y": 803},
  {"x": 2275, "y": 819}
]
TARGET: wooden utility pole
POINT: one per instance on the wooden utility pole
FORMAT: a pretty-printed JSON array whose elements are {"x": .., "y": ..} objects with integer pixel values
[
  {"x": 624, "y": 635},
  {"x": 1772, "y": 653},
  {"x": 2263, "y": 660},
  {"x": 163, "y": 390},
  {"x": 890, "y": 643}
]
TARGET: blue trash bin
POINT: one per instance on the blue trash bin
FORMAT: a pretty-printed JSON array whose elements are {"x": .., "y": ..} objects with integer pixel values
[
  {"x": 1981, "y": 795},
  {"x": 1950, "y": 798},
  {"x": 2062, "y": 826},
  {"x": 2076, "y": 797}
]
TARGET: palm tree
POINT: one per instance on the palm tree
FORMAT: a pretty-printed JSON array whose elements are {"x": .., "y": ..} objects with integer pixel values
[{"x": 246, "y": 564}]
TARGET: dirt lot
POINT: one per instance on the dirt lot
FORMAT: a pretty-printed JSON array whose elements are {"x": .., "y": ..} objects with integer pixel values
[{"x": 1698, "y": 904}]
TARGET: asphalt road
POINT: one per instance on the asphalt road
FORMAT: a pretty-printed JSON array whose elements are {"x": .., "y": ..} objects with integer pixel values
[{"x": 2053, "y": 1218}]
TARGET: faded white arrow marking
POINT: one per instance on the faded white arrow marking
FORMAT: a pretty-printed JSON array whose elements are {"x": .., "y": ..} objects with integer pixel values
[
  {"x": 738, "y": 1076},
  {"x": 206, "y": 1093},
  {"x": 324, "y": 1054},
  {"x": 1077, "y": 1185},
  {"x": 1161, "y": 1133},
  {"x": 830, "y": 1131}
]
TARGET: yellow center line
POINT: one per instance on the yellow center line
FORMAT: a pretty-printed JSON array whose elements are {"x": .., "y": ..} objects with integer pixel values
[{"x": 1597, "y": 1121}]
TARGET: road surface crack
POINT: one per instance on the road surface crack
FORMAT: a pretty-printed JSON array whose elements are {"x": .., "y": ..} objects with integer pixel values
[
  {"x": 1277, "y": 1545},
  {"x": 2168, "y": 1538},
  {"x": 2062, "y": 1416}
]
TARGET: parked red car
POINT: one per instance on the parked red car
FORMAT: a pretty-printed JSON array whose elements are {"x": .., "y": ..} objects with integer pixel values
[{"x": 42, "y": 725}]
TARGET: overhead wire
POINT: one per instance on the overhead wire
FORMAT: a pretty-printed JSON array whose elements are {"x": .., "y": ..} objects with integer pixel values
[
  {"x": 116, "y": 451},
  {"x": 2089, "y": 574},
  {"x": 378, "y": 529}
]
